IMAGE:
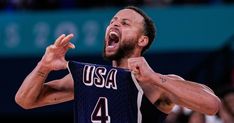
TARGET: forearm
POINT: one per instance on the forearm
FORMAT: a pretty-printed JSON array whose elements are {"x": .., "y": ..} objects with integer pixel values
[
  {"x": 32, "y": 86},
  {"x": 188, "y": 94}
]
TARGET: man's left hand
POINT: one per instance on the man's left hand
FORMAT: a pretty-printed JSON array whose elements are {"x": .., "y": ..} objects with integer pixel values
[{"x": 141, "y": 69}]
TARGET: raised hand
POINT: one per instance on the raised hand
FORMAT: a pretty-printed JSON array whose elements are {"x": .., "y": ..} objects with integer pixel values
[
  {"x": 140, "y": 68},
  {"x": 54, "y": 57}
]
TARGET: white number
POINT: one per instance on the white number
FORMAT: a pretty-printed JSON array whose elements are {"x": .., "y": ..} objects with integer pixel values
[
  {"x": 12, "y": 35},
  {"x": 90, "y": 30},
  {"x": 41, "y": 30},
  {"x": 100, "y": 112}
]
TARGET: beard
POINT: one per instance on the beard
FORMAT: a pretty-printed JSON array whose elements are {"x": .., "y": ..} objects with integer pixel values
[{"x": 125, "y": 50}]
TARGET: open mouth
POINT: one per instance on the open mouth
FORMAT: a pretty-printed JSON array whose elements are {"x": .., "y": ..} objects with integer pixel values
[{"x": 113, "y": 38}]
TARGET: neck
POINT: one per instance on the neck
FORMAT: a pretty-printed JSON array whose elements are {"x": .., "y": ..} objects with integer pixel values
[{"x": 123, "y": 62}]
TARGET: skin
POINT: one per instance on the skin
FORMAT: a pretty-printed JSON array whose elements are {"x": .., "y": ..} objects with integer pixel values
[{"x": 164, "y": 91}]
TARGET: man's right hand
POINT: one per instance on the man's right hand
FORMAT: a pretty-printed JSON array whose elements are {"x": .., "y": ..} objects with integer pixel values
[{"x": 54, "y": 57}]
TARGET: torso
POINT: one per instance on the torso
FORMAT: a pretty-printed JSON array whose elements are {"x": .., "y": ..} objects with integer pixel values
[{"x": 121, "y": 101}]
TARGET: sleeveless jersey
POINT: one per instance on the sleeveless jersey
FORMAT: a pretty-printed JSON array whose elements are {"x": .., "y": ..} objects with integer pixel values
[{"x": 105, "y": 94}]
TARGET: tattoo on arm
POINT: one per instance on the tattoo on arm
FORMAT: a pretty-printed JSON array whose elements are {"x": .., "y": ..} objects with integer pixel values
[
  {"x": 163, "y": 80},
  {"x": 41, "y": 74}
]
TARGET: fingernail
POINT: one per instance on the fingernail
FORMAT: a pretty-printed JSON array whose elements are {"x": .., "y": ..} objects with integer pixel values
[{"x": 73, "y": 46}]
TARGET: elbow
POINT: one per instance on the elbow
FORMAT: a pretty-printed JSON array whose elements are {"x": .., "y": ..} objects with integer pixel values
[
  {"x": 213, "y": 106},
  {"x": 21, "y": 101}
]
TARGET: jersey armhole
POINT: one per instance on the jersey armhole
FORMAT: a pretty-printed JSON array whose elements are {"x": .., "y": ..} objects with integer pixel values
[{"x": 139, "y": 98}]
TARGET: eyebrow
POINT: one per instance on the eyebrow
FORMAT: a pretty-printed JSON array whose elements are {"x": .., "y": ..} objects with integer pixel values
[
  {"x": 124, "y": 19},
  {"x": 115, "y": 18}
]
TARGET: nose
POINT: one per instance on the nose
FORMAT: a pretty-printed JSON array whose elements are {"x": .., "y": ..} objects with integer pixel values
[{"x": 116, "y": 23}]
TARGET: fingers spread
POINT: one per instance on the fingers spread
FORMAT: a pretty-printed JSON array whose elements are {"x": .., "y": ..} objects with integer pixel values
[
  {"x": 70, "y": 45},
  {"x": 59, "y": 39},
  {"x": 66, "y": 40}
]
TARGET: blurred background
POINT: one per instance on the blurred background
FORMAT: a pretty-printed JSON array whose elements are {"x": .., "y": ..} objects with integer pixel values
[{"x": 195, "y": 40}]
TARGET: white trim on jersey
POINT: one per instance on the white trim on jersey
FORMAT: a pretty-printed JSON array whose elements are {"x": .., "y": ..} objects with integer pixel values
[{"x": 139, "y": 98}]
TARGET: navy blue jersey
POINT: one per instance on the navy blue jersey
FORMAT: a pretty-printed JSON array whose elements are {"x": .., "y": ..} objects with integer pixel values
[{"x": 105, "y": 94}]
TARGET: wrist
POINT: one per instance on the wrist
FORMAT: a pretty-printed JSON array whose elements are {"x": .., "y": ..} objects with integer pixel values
[
  {"x": 159, "y": 79},
  {"x": 43, "y": 67},
  {"x": 152, "y": 78}
]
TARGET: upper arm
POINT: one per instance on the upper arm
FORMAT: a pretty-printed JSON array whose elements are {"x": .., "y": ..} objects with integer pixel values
[
  {"x": 164, "y": 103},
  {"x": 56, "y": 91},
  {"x": 173, "y": 76}
]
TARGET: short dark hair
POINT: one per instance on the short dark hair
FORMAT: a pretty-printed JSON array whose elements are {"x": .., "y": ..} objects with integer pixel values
[{"x": 149, "y": 27}]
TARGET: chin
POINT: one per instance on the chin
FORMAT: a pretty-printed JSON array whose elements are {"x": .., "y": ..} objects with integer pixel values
[
  {"x": 109, "y": 56},
  {"x": 116, "y": 54}
]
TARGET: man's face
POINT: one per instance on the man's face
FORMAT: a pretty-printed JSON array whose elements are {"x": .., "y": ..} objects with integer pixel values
[{"x": 122, "y": 34}]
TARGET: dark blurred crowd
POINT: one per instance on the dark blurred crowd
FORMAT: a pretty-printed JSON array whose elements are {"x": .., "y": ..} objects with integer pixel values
[
  {"x": 224, "y": 115},
  {"x": 74, "y": 4}
]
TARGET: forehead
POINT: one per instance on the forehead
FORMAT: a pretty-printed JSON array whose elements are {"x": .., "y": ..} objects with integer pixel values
[{"x": 130, "y": 15}]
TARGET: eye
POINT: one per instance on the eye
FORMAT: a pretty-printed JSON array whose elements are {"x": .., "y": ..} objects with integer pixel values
[
  {"x": 125, "y": 23},
  {"x": 111, "y": 21}
]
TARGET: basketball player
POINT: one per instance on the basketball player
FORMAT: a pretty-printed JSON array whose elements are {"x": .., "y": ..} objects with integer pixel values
[{"x": 128, "y": 35}]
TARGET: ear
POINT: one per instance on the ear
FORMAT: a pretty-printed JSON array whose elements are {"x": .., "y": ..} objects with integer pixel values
[{"x": 143, "y": 41}]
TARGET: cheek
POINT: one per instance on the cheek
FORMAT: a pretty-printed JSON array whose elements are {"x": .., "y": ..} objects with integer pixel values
[
  {"x": 129, "y": 34},
  {"x": 107, "y": 28}
]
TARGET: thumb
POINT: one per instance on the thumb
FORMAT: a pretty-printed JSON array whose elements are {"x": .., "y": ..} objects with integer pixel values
[
  {"x": 71, "y": 45},
  {"x": 136, "y": 70}
]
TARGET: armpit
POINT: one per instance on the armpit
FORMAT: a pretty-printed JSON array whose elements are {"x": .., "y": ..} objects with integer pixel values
[{"x": 164, "y": 104}]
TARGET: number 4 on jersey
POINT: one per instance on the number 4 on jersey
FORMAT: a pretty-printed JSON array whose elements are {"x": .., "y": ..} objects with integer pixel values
[{"x": 100, "y": 112}]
